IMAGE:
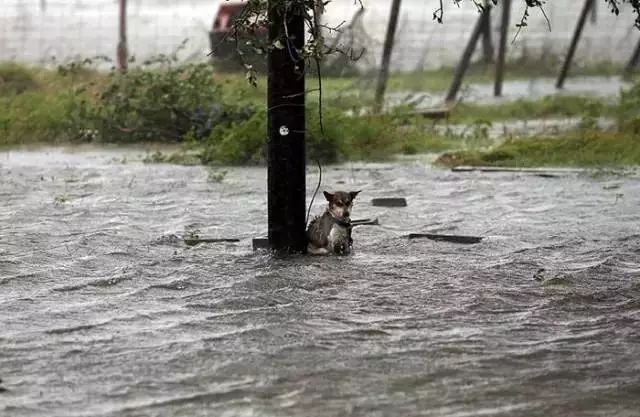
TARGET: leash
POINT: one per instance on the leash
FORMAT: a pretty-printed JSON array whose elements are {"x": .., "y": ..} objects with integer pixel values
[{"x": 315, "y": 192}]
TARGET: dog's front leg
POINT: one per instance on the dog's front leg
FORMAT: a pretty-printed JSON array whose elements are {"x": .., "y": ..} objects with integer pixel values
[{"x": 313, "y": 250}]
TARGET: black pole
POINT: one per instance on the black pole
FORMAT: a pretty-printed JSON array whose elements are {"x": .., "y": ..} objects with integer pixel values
[
  {"x": 461, "y": 69},
  {"x": 633, "y": 62},
  {"x": 383, "y": 76},
  {"x": 286, "y": 125},
  {"x": 487, "y": 42},
  {"x": 121, "y": 53},
  {"x": 574, "y": 43},
  {"x": 502, "y": 48}
]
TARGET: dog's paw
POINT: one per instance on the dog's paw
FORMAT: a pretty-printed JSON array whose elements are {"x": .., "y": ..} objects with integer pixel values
[{"x": 312, "y": 250}]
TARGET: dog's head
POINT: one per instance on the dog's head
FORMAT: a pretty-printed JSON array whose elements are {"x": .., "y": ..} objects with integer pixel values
[{"x": 340, "y": 203}]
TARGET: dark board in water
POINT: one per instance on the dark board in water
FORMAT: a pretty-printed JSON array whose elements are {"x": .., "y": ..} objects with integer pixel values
[
  {"x": 468, "y": 240},
  {"x": 389, "y": 202}
]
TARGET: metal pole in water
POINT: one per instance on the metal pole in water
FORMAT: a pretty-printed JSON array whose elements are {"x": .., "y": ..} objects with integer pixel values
[
  {"x": 633, "y": 62},
  {"x": 574, "y": 43},
  {"x": 286, "y": 127},
  {"x": 121, "y": 52},
  {"x": 502, "y": 49},
  {"x": 487, "y": 42},
  {"x": 383, "y": 76},
  {"x": 461, "y": 69}
]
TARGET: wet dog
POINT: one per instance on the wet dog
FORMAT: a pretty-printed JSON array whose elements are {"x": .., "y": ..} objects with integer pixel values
[{"x": 331, "y": 232}]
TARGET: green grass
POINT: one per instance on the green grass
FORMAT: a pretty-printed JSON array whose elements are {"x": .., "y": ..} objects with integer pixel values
[
  {"x": 438, "y": 80},
  {"x": 546, "y": 107},
  {"x": 36, "y": 103},
  {"x": 582, "y": 149},
  {"x": 44, "y": 106},
  {"x": 16, "y": 79},
  {"x": 34, "y": 117},
  {"x": 371, "y": 138}
]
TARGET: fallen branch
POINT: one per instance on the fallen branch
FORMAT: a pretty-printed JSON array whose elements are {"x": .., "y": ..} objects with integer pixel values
[
  {"x": 192, "y": 241},
  {"x": 467, "y": 240}
]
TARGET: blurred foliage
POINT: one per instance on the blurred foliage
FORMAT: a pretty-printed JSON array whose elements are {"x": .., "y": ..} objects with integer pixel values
[
  {"x": 16, "y": 79},
  {"x": 587, "y": 145},
  {"x": 628, "y": 113},
  {"x": 220, "y": 119},
  {"x": 579, "y": 148},
  {"x": 155, "y": 105}
]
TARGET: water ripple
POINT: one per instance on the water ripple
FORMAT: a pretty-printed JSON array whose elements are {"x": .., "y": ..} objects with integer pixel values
[{"x": 105, "y": 311}]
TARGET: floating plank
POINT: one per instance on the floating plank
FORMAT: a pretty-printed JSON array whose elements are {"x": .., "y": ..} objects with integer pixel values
[
  {"x": 433, "y": 113},
  {"x": 465, "y": 168},
  {"x": 192, "y": 241},
  {"x": 389, "y": 202},
  {"x": 365, "y": 222},
  {"x": 467, "y": 240}
]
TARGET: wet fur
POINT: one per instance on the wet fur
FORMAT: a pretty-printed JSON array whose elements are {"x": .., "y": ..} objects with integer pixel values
[{"x": 331, "y": 232}]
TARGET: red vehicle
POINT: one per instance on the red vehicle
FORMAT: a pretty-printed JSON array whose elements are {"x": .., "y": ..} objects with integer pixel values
[{"x": 224, "y": 47}]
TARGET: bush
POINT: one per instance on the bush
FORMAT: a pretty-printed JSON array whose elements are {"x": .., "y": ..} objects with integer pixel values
[
  {"x": 341, "y": 138},
  {"x": 237, "y": 142},
  {"x": 629, "y": 110},
  {"x": 580, "y": 148},
  {"x": 15, "y": 79},
  {"x": 162, "y": 104},
  {"x": 33, "y": 117}
]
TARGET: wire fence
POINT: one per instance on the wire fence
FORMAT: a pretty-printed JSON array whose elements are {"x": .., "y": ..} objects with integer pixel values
[
  {"x": 422, "y": 43},
  {"x": 54, "y": 31},
  {"x": 46, "y": 31}
]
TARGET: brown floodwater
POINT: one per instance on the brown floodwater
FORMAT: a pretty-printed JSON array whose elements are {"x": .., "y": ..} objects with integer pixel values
[{"x": 104, "y": 311}]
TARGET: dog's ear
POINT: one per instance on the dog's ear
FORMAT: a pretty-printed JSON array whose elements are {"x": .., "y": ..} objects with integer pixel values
[
  {"x": 353, "y": 194},
  {"x": 328, "y": 196}
]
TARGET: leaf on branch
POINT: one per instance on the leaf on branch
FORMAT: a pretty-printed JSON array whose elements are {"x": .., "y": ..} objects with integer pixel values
[{"x": 251, "y": 75}]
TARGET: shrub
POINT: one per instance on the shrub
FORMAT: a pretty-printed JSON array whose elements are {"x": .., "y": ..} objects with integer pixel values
[
  {"x": 342, "y": 137},
  {"x": 629, "y": 110},
  {"x": 34, "y": 116},
  {"x": 238, "y": 142},
  {"x": 162, "y": 104},
  {"x": 15, "y": 79}
]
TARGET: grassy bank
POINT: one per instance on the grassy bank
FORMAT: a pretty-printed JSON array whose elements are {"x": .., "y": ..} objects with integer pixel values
[
  {"x": 33, "y": 105},
  {"x": 582, "y": 149},
  {"x": 543, "y": 108},
  {"x": 438, "y": 80},
  {"x": 220, "y": 118},
  {"x": 585, "y": 146}
]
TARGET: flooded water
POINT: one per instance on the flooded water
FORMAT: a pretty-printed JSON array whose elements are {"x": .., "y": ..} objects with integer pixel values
[
  {"x": 104, "y": 311},
  {"x": 602, "y": 88},
  {"x": 500, "y": 130}
]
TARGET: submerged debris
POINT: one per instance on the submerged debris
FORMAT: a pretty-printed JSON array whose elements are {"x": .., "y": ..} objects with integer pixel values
[
  {"x": 389, "y": 202},
  {"x": 466, "y": 240}
]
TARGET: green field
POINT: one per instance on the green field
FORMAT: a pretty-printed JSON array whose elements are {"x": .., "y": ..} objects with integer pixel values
[{"x": 221, "y": 119}]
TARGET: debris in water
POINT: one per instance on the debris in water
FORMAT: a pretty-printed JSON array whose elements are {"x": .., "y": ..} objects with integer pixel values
[
  {"x": 467, "y": 240},
  {"x": 389, "y": 202},
  {"x": 365, "y": 222},
  {"x": 192, "y": 241}
]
